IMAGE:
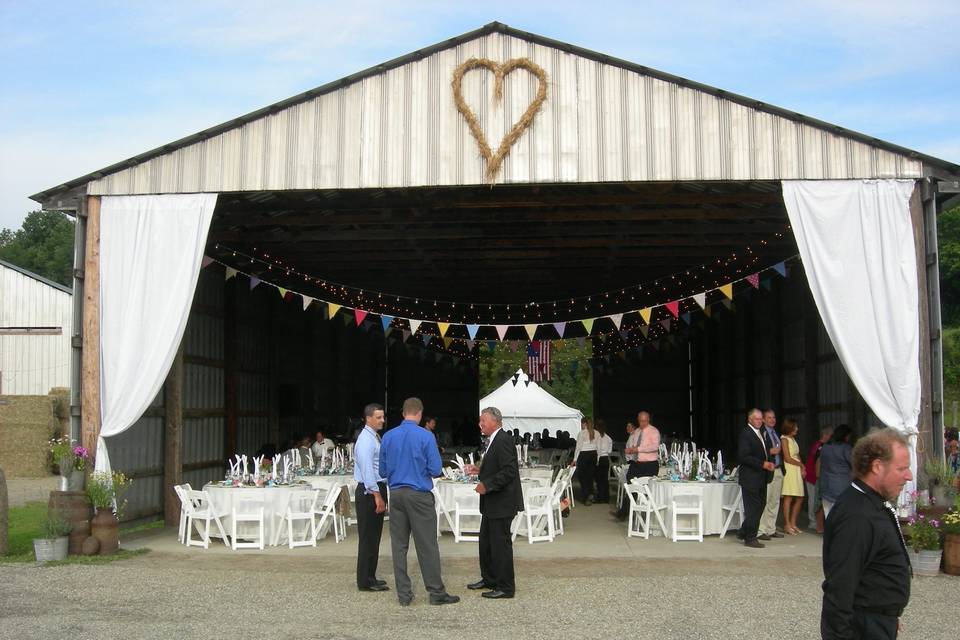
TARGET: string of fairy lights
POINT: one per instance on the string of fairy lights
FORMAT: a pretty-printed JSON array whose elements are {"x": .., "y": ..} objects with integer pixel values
[{"x": 677, "y": 286}]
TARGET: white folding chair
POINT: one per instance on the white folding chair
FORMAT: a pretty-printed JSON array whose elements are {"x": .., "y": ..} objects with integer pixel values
[
  {"x": 328, "y": 516},
  {"x": 687, "y": 501},
  {"x": 567, "y": 474},
  {"x": 201, "y": 507},
  {"x": 642, "y": 505},
  {"x": 734, "y": 508},
  {"x": 440, "y": 508},
  {"x": 179, "y": 489},
  {"x": 300, "y": 508},
  {"x": 248, "y": 508},
  {"x": 538, "y": 512},
  {"x": 620, "y": 471},
  {"x": 466, "y": 506}
]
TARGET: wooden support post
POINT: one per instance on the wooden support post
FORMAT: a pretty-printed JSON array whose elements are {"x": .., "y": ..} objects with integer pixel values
[
  {"x": 811, "y": 327},
  {"x": 90, "y": 358},
  {"x": 173, "y": 439},
  {"x": 776, "y": 346},
  {"x": 927, "y": 447},
  {"x": 749, "y": 363},
  {"x": 231, "y": 366}
]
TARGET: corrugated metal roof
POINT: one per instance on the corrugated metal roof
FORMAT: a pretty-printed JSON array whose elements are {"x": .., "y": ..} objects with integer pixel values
[
  {"x": 39, "y": 278},
  {"x": 605, "y": 119}
]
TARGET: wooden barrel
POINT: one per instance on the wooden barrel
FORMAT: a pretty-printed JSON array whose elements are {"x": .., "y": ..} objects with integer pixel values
[
  {"x": 951, "y": 554},
  {"x": 73, "y": 507}
]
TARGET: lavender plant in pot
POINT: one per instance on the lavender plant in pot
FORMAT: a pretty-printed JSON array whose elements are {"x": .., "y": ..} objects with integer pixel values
[{"x": 53, "y": 541}]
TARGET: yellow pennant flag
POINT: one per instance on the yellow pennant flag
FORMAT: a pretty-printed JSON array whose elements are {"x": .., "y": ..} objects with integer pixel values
[
  {"x": 727, "y": 290},
  {"x": 332, "y": 310},
  {"x": 283, "y": 292},
  {"x": 447, "y": 342},
  {"x": 531, "y": 329},
  {"x": 645, "y": 314},
  {"x": 443, "y": 328},
  {"x": 588, "y": 325}
]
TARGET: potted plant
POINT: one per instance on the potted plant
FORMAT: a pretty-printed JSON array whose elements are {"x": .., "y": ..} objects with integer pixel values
[
  {"x": 104, "y": 489},
  {"x": 72, "y": 461},
  {"x": 925, "y": 549},
  {"x": 950, "y": 525},
  {"x": 940, "y": 477},
  {"x": 53, "y": 541}
]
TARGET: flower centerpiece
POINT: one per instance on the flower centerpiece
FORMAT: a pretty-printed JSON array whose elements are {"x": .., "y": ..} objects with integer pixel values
[
  {"x": 72, "y": 460},
  {"x": 924, "y": 541},
  {"x": 950, "y": 526},
  {"x": 105, "y": 490}
]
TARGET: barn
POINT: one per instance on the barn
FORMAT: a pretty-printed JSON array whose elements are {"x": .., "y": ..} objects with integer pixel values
[{"x": 363, "y": 241}]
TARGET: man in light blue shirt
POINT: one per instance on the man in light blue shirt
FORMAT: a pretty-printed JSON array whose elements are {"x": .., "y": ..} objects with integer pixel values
[
  {"x": 370, "y": 499},
  {"x": 409, "y": 460}
]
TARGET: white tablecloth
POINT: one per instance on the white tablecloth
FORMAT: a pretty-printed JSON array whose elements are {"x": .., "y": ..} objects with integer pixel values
[
  {"x": 325, "y": 483},
  {"x": 274, "y": 505},
  {"x": 715, "y": 495},
  {"x": 451, "y": 491},
  {"x": 543, "y": 473}
]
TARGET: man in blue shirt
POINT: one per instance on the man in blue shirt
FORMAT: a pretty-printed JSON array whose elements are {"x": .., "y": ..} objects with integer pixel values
[
  {"x": 409, "y": 460},
  {"x": 371, "y": 499},
  {"x": 768, "y": 521}
]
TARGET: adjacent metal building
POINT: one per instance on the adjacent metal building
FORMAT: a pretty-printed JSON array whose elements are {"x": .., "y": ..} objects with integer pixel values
[{"x": 35, "y": 330}]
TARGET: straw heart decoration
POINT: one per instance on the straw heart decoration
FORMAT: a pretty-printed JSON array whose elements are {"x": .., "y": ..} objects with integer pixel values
[{"x": 500, "y": 72}]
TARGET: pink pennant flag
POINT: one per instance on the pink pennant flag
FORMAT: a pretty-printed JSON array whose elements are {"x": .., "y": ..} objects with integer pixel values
[
  {"x": 754, "y": 280},
  {"x": 673, "y": 308},
  {"x": 501, "y": 330},
  {"x": 560, "y": 327},
  {"x": 254, "y": 281},
  {"x": 207, "y": 261},
  {"x": 360, "y": 314}
]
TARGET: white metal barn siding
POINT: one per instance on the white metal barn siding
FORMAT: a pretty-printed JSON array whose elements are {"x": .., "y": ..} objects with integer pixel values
[
  {"x": 33, "y": 364},
  {"x": 601, "y": 122}
]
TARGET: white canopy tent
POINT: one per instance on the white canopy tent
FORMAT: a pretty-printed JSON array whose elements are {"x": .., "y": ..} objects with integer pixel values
[{"x": 531, "y": 409}]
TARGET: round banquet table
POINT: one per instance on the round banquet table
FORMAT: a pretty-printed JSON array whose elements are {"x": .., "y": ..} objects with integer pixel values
[
  {"x": 451, "y": 491},
  {"x": 543, "y": 473},
  {"x": 714, "y": 496},
  {"x": 326, "y": 482},
  {"x": 275, "y": 500}
]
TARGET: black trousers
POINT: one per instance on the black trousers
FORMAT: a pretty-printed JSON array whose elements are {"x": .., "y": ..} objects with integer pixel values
[
  {"x": 636, "y": 470},
  {"x": 496, "y": 553},
  {"x": 585, "y": 471},
  {"x": 602, "y": 478},
  {"x": 873, "y": 626},
  {"x": 369, "y": 532},
  {"x": 754, "y": 500}
]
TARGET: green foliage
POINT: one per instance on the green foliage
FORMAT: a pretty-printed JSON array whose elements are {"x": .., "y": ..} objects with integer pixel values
[
  {"x": 948, "y": 240},
  {"x": 569, "y": 369},
  {"x": 104, "y": 488},
  {"x": 43, "y": 245},
  {"x": 54, "y": 528},
  {"x": 951, "y": 365}
]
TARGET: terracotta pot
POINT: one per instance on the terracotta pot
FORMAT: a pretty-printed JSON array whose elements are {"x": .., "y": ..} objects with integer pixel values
[
  {"x": 73, "y": 507},
  {"x": 951, "y": 554},
  {"x": 105, "y": 527}
]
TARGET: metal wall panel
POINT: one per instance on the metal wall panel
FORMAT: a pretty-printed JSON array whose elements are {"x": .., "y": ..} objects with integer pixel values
[
  {"x": 600, "y": 123},
  {"x": 33, "y": 364},
  {"x": 138, "y": 453}
]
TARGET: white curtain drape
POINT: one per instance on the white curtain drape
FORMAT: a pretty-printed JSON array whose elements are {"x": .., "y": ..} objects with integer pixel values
[
  {"x": 857, "y": 245},
  {"x": 151, "y": 248}
]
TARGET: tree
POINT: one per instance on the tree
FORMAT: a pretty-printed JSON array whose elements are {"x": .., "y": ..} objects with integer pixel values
[
  {"x": 948, "y": 232},
  {"x": 43, "y": 245}
]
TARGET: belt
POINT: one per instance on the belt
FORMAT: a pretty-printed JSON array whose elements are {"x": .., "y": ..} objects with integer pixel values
[{"x": 883, "y": 611}]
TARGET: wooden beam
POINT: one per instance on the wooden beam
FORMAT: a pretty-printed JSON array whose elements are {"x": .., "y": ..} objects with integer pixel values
[
  {"x": 173, "y": 438},
  {"x": 90, "y": 356},
  {"x": 927, "y": 448},
  {"x": 811, "y": 327},
  {"x": 231, "y": 366}
]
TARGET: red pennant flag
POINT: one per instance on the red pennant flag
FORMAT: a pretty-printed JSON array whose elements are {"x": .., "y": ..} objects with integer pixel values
[
  {"x": 360, "y": 315},
  {"x": 754, "y": 280},
  {"x": 673, "y": 308}
]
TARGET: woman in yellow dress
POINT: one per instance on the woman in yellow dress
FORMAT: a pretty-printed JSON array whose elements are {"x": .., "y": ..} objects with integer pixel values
[{"x": 792, "y": 477}]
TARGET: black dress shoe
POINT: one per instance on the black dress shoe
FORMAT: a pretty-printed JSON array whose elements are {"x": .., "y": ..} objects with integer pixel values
[
  {"x": 444, "y": 599},
  {"x": 375, "y": 587},
  {"x": 753, "y": 544},
  {"x": 763, "y": 536},
  {"x": 475, "y": 586},
  {"x": 380, "y": 582},
  {"x": 740, "y": 535},
  {"x": 496, "y": 594},
  {"x": 776, "y": 534}
]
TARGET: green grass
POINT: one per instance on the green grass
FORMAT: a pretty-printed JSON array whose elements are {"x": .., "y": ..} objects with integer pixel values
[{"x": 24, "y": 526}]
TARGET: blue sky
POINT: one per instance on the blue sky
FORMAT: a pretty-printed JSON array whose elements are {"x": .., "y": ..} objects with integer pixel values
[{"x": 87, "y": 84}]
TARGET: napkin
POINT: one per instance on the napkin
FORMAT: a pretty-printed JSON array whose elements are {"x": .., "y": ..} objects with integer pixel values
[{"x": 459, "y": 461}]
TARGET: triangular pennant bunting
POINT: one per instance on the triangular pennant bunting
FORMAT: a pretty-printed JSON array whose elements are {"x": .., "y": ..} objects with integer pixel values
[
  {"x": 501, "y": 330},
  {"x": 307, "y": 301},
  {"x": 426, "y": 339},
  {"x": 283, "y": 293},
  {"x": 230, "y": 272},
  {"x": 472, "y": 330},
  {"x": 701, "y": 299},
  {"x": 686, "y": 317},
  {"x": 360, "y": 314},
  {"x": 588, "y": 325},
  {"x": 560, "y": 327},
  {"x": 754, "y": 280},
  {"x": 531, "y": 330},
  {"x": 665, "y": 323},
  {"x": 673, "y": 308},
  {"x": 414, "y": 325},
  {"x": 254, "y": 281},
  {"x": 617, "y": 318},
  {"x": 332, "y": 310},
  {"x": 781, "y": 268},
  {"x": 727, "y": 290},
  {"x": 207, "y": 261},
  {"x": 645, "y": 314},
  {"x": 385, "y": 321},
  {"x": 443, "y": 326}
]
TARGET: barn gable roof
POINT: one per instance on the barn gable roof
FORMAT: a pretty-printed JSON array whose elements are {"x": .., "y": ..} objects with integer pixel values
[
  {"x": 34, "y": 276},
  {"x": 605, "y": 119}
]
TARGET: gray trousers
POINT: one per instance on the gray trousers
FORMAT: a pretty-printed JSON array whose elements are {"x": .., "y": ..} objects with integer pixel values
[{"x": 413, "y": 511}]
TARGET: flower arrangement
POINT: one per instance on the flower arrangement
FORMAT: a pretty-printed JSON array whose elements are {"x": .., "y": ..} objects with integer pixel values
[
  {"x": 68, "y": 455},
  {"x": 924, "y": 533},
  {"x": 950, "y": 523},
  {"x": 104, "y": 488}
]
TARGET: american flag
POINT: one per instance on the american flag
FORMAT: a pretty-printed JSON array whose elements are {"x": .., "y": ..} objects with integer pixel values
[{"x": 538, "y": 360}]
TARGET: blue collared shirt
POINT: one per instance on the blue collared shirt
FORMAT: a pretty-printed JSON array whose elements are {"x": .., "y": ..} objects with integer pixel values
[
  {"x": 775, "y": 439},
  {"x": 366, "y": 468},
  {"x": 409, "y": 457}
]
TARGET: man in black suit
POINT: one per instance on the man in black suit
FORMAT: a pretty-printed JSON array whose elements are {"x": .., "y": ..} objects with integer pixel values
[
  {"x": 756, "y": 470},
  {"x": 500, "y": 499}
]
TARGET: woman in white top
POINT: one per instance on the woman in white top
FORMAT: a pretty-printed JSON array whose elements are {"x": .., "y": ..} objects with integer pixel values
[
  {"x": 585, "y": 459},
  {"x": 602, "y": 474}
]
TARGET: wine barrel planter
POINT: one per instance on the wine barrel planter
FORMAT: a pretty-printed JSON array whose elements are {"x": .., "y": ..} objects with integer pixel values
[
  {"x": 951, "y": 554},
  {"x": 105, "y": 527},
  {"x": 73, "y": 507}
]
